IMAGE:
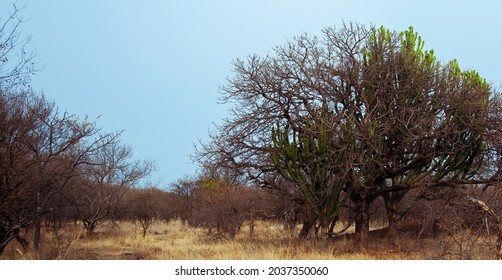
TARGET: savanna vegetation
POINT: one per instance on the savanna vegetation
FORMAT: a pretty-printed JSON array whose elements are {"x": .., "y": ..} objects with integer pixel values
[{"x": 359, "y": 143}]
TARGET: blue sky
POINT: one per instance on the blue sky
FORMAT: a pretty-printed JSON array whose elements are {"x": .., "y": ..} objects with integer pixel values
[{"x": 153, "y": 68}]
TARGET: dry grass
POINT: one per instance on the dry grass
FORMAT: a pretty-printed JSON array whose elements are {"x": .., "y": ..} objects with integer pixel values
[{"x": 175, "y": 241}]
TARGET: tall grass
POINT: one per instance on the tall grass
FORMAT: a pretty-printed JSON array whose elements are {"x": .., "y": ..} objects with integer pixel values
[{"x": 176, "y": 241}]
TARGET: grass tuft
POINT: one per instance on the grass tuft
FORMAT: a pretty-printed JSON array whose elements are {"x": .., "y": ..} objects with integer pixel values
[{"x": 176, "y": 241}]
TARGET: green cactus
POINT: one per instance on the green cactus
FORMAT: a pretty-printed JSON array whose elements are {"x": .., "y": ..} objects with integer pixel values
[
  {"x": 307, "y": 157},
  {"x": 459, "y": 151}
]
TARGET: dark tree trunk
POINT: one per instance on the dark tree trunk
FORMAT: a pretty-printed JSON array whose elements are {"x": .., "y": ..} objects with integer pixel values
[
  {"x": 6, "y": 235},
  {"x": 392, "y": 229},
  {"x": 308, "y": 223},
  {"x": 90, "y": 226},
  {"x": 391, "y": 201},
  {"x": 24, "y": 243},
  {"x": 332, "y": 225},
  {"x": 391, "y": 205},
  {"x": 36, "y": 235},
  {"x": 37, "y": 221},
  {"x": 392, "y": 235},
  {"x": 251, "y": 228},
  {"x": 3, "y": 239},
  {"x": 362, "y": 225},
  {"x": 499, "y": 242}
]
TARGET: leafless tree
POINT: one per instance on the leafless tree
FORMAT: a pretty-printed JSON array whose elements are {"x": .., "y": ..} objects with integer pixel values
[
  {"x": 465, "y": 223},
  {"x": 223, "y": 208},
  {"x": 41, "y": 146},
  {"x": 147, "y": 205},
  {"x": 398, "y": 119},
  {"x": 489, "y": 213},
  {"x": 41, "y": 150},
  {"x": 104, "y": 178},
  {"x": 16, "y": 60},
  {"x": 184, "y": 190},
  {"x": 44, "y": 151}
]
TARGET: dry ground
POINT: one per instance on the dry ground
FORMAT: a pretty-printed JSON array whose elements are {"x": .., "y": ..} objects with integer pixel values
[{"x": 270, "y": 241}]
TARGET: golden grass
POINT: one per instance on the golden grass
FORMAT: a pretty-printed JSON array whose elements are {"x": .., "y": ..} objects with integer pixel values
[{"x": 175, "y": 241}]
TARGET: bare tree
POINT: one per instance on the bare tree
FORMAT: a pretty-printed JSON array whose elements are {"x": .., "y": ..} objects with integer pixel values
[
  {"x": 44, "y": 151},
  {"x": 41, "y": 147},
  {"x": 16, "y": 60},
  {"x": 220, "y": 207},
  {"x": 147, "y": 205},
  {"x": 41, "y": 150},
  {"x": 104, "y": 178},
  {"x": 15, "y": 68},
  {"x": 398, "y": 119},
  {"x": 184, "y": 189}
]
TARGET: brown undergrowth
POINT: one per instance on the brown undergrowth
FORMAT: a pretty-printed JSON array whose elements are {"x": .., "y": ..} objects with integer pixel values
[{"x": 270, "y": 241}]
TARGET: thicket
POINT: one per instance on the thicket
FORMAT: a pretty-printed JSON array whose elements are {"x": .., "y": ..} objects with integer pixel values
[{"x": 358, "y": 127}]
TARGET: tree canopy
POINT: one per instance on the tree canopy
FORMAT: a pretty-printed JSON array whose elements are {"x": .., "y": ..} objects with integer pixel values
[{"x": 357, "y": 113}]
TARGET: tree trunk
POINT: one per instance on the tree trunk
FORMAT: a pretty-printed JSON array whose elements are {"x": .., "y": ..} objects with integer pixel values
[
  {"x": 37, "y": 222},
  {"x": 24, "y": 243},
  {"x": 392, "y": 235},
  {"x": 392, "y": 229},
  {"x": 36, "y": 235},
  {"x": 308, "y": 223},
  {"x": 499, "y": 242},
  {"x": 90, "y": 226},
  {"x": 391, "y": 205},
  {"x": 332, "y": 225},
  {"x": 6, "y": 235},
  {"x": 251, "y": 228},
  {"x": 324, "y": 229},
  {"x": 391, "y": 201},
  {"x": 362, "y": 225},
  {"x": 3, "y": 239}
]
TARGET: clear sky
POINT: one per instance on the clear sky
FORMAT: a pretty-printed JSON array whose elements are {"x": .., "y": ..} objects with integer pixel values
[{"x": 153, "y": 67}]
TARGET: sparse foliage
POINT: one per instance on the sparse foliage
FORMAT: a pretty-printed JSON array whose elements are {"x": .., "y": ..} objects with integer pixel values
[
  {"x": 397, "y": 119},
  {"x": 16, "y": 60},
  {"x": 104, "y": 178},
  {"x": 145, "y": 206},
  {"x": 41, "y": 151}
]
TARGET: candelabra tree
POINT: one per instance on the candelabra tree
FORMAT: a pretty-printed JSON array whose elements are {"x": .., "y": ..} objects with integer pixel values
[{"x": 308, "y": 156}]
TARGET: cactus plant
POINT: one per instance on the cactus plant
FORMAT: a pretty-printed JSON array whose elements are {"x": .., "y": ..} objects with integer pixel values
[{"x": 307, "y": 156}]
